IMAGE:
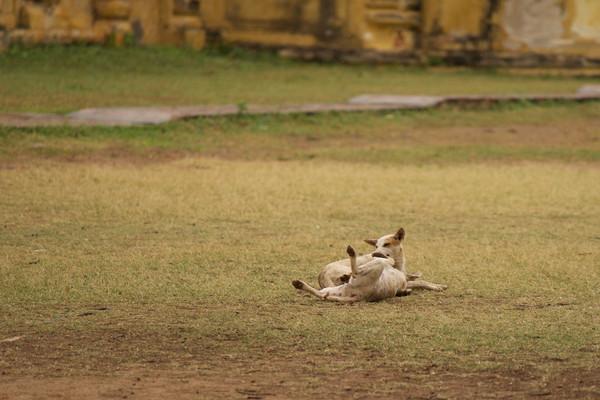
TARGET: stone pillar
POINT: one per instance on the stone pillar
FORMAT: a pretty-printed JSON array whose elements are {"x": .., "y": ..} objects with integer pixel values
[{"x": 113, "y": 20}]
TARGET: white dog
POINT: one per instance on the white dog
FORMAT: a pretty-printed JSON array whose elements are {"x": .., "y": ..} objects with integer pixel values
[
  {"x": 375, "y": 280},
  {"x": 338, "y": 272}
]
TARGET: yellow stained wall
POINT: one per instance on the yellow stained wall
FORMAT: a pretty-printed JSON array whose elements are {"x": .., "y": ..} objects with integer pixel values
[
  {"x": 65, "y": 21},
  {"x": 454, "y": 17},
  {"x": 274, "y": 23},
  {"x": 513, "y": 28},
  {"x": 585, "y": 21},
  {"x": 502, "y": 29},
  {"x": 388, "y": 26},
  {"x": 382, "y": 25},
  {"x": 8, "y": 14},
  {"x": 452, "y": 25},
  {"x": 548, "y": 27}
]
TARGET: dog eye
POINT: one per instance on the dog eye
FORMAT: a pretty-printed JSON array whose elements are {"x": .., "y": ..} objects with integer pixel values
[{"x": 386, "y": 245}]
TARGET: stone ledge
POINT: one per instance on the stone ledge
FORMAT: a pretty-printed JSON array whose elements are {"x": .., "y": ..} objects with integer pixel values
[{"x": 132, "y": 116}]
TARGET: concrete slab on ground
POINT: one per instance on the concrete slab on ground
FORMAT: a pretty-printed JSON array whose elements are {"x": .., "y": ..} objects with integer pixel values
[
  {"x": 589, "y": 90},
  {"x": 410, "y": 101},
  {"x": 131, "y": 116},
  {"x": 122, "y": 116}
]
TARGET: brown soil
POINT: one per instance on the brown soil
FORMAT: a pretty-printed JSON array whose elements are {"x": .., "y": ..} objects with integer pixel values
[
  {"x": 127, "y": 362},
  {"x": 113, "y": 155},
  {"x": 282, "y": 379}
]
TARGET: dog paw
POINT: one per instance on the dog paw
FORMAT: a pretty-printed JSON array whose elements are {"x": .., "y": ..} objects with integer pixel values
[
  {"x": 297, "y": 284},
  {"x": 402, "y": 293},
  {"x": 350, "y": 251},
  {"x": 441, "y": 288}
]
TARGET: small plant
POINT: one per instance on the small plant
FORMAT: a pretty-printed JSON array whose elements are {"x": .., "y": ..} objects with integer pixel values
[{"x": 242, "y": 108}]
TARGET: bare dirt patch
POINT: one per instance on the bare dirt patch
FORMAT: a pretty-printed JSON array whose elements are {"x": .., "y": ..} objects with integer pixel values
[
  {"x": 122, "y": 361},
  {"x": 283, "y": 379},
  {"x": 111, "y": 155},
  {"x": 507, "y": 136},
  {"x": 284, "y": 148}
]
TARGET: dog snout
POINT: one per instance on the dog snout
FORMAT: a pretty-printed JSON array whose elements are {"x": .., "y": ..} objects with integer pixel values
[{"x": 379, "y": 255}]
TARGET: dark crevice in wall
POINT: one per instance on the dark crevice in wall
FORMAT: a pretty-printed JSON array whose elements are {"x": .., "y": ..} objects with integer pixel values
[
  {"x": 488, "y": 29},
  {"x": 326, "y": 30}
]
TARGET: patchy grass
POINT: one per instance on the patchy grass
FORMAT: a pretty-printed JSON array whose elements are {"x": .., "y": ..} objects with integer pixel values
[
  {"x": 228, "y": 237},
  {"x": 60, "y": 79},
  {"x": 170, "y": 251},
  {"x": 507, "y": 133}
]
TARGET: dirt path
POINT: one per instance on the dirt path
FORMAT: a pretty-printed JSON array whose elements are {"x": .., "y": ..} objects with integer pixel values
[
  {"x": 127, "y": 363},
  {"x": 256, "y": 381}
]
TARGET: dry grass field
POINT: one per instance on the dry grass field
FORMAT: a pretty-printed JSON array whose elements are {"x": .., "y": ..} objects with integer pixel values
[{"x": 156, "y": 262}]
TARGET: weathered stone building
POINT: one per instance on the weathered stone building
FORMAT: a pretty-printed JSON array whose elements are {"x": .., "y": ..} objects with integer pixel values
[{"x": 515, "y": 32}]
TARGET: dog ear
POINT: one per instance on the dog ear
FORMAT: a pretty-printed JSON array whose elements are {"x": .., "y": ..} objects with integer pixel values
[
  {"x": 372, "y": 242},
  {"x": 400, "y": 234}
]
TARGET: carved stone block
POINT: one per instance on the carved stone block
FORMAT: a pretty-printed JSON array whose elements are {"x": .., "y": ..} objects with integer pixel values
[{"x": 112, "y": 9}]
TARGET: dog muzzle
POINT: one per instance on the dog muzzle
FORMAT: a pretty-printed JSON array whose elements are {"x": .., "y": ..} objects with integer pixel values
[{"x": 379, "y": 255}]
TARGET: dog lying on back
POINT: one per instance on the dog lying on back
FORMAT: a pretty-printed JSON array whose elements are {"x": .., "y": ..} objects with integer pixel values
[
  {"x": 338, "y": 272},
  {"x": 375, "y": 280}
]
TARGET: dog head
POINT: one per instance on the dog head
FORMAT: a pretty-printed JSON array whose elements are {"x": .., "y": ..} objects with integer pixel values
[{"x": 388, "y": 245}]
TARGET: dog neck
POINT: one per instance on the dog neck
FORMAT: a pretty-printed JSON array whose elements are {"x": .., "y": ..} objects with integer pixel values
[{"x": 399, "y": 259}]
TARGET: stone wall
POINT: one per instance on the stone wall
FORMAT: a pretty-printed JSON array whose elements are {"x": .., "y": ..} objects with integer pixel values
[
  {"x": 101, "y": 21},
  {"x": 511, "y": 32}
]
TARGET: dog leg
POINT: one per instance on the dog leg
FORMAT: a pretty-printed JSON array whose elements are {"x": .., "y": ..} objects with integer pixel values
[
  {"x": 352, "y": 255},
  {"x": 323, "y": 296},
  {"x": 368, "y": 275},
  {"x": 414, "y": 276},
  {"x": 300, "y": 285},
  {"x": 420, "y": 284},
  {"x": 402, "y": 293},
  {"x": 347, "y": 300}
]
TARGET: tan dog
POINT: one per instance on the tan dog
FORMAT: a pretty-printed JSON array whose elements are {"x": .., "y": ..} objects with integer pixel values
[
  {"x": 338, "y": 272},
  {"x": 375, "y": 280}
]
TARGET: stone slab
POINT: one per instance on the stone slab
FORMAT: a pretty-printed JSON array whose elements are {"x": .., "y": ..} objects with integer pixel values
[
  {"x": 130, "y": 116},
  {"x": 435, "y": 101},
  {"x": 589, "y": 90},
  {"x": 124, "y": 116},
  {"x": 410, "y": 101}
]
